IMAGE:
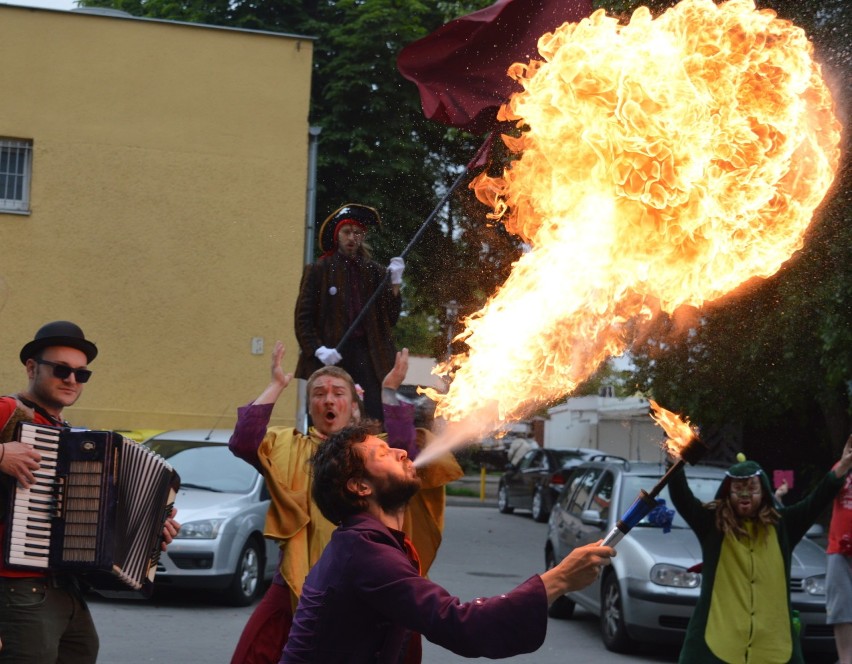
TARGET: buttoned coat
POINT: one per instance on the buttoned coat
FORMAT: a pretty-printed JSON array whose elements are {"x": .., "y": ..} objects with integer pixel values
[{"x": 323, "y": 314}]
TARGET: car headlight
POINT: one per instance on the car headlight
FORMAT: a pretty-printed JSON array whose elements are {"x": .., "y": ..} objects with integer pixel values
[
  {"x": 206, "y": 529},
  {"x": 676, "y": 577},
  {"x": 814, "y": 585}
]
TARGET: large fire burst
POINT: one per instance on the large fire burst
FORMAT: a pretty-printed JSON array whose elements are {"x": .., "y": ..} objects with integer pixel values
[{"x": 663, "y": 162}]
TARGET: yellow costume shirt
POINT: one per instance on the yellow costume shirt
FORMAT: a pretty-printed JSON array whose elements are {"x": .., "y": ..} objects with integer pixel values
[{"x": 749, "y": 616}]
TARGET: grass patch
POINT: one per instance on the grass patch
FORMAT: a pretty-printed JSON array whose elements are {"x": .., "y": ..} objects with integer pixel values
[{"x": 461, "y": 491}]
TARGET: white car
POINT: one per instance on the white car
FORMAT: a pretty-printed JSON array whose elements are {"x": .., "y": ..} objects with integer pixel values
[{"x": 221, "y": 506}]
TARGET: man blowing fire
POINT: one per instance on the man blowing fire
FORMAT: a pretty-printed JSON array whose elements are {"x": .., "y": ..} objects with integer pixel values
[{"x": 365, "y": 597}]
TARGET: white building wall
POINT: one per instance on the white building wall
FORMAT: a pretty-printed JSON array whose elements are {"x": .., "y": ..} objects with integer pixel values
[{"x": 614, "y": 426}]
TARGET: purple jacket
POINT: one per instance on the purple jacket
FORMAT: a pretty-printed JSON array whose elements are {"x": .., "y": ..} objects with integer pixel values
[{"x": 364, "y": 595}]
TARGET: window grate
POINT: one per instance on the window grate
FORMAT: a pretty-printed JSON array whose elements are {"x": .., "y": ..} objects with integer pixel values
[{"x": 15, "y": 174}]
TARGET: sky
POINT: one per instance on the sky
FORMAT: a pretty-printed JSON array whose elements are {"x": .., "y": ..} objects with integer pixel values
[{"x": 47, "y": 4}]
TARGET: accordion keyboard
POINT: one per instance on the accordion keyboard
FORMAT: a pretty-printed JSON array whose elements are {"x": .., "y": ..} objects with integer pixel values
[{"x": 34, "y": 507}]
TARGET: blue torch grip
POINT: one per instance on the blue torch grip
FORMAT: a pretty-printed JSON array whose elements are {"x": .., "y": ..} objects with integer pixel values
[{"x": 634, "y": 514}]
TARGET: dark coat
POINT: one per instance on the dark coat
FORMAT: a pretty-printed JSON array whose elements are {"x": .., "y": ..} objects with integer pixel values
[{"x": 323, "y": 312}]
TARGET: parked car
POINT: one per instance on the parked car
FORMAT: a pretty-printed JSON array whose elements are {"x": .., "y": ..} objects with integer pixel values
[
  {"x": 222, "y": 506},
  {"x": 534, "y": 483},
  {"x": 649, "y": 591}
]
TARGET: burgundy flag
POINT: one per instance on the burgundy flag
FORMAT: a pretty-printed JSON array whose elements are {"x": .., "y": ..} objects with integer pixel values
[{"x": 460, "y": 69}]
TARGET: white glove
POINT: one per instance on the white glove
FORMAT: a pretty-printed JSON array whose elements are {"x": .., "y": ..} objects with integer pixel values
[
  {"x": 327, "y": 355},
  {"x": 397, "y": 265}
]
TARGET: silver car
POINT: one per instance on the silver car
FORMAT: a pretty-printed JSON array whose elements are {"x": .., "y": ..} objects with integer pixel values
[
  {"x": 649, "y": 592},
  {"x": 222, "y": 506}
]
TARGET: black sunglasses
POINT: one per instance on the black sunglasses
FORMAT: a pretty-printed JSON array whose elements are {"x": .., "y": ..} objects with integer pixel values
[{"x": 62, "y": 371}]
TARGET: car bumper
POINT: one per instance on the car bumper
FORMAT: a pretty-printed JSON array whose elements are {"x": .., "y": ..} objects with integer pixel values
[
  {"x": 816, "y": 635},
  {"x": 194, "y": 564},
  {"x": 654, "y": 613}
]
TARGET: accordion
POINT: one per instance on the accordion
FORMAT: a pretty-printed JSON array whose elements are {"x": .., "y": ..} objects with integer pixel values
[{"x": 97, "y": 509}]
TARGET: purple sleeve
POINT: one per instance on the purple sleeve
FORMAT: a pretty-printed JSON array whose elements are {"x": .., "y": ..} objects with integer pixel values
[
  {"x": 252, "y": 420},
  {"x": 399, "y": 425},
  {"x": 494, "y": 627}
]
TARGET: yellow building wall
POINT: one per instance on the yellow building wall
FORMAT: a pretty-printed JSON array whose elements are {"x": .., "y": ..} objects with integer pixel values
[{"x": 167, "y": 209}]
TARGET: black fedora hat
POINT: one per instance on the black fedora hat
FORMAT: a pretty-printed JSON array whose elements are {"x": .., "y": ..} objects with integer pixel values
[
  {"x": 363, "y": 215},
  {"x": 59, "y": 333}
]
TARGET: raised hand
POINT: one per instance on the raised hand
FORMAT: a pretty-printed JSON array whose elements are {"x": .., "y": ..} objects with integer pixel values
[
  {"x": 278, "y": 375},
  {"x": 400, "y": 368}
]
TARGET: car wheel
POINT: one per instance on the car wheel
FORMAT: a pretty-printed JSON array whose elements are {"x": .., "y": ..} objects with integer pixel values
[
  {"x": 613, "y": 629},
  {"x": 562, "y": 607},
  {"x": 539, "y": 506},
  {"x": 503, "y": 500},
  {"x": 247, "y": 582}
]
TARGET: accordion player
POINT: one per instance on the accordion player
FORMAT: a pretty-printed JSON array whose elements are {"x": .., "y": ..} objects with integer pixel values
[{"x": 97, "y": 509}]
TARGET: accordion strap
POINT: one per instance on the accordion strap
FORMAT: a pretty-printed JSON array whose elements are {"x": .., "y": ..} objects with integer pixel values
[{"x": 34, "y": 407}]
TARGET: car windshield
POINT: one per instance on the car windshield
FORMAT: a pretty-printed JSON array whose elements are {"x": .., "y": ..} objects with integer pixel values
[
  {"x": 704, "y": 489},
  {"x": 206, "y": 466}
]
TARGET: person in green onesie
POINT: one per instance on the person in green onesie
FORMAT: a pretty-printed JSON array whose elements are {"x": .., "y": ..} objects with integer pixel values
[{"x": 743, "y": 613}]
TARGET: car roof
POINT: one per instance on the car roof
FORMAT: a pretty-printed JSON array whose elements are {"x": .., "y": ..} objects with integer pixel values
[
  {"x": 221, "y": 436},
  {"x": 585, "y": 451},
  {"x": 628, "y": 467}
]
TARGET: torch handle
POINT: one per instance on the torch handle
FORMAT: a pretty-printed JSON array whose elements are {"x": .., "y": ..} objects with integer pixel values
[
  {"x": 614, "y": 537},
  {"x": 677, "y": 465}
]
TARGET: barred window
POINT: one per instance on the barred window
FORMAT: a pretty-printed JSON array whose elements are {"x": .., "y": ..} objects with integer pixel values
[{"x": 15, "y": 172}]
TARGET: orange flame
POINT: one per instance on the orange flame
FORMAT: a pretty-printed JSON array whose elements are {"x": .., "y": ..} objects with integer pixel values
[
  {"x": 664, "y": 162},
  {"x": 679, "y": 433}
]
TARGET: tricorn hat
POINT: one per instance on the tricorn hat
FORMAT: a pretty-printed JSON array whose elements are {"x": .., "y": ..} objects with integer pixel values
[
  {"x": 59, "y": 333},
  {"x": 351, "y": 213}
]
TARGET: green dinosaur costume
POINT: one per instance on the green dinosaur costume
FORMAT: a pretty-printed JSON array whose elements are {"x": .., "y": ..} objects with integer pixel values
[{"x": 743, "y": 613}]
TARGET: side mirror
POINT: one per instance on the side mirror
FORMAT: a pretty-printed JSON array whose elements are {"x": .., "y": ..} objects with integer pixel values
[{"x": 591, "y": 518}]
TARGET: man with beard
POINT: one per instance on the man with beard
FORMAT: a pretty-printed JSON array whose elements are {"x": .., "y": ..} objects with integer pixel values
[
  {"x": 43, "y": 616},
  {"x": 281, "y": 454},
  {"x": 365, "y": 597},
  {"x": 333, "y": 293},
  {"x": 747, "y": 539}
]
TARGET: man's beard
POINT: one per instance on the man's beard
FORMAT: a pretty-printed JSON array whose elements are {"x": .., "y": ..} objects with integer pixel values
[
  {"x": 393, "y": 493},
  {"x": 46, "y": 399}
]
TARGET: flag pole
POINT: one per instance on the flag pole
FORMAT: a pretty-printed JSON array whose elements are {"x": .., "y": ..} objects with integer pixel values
[{"x": 432, "y": 215}]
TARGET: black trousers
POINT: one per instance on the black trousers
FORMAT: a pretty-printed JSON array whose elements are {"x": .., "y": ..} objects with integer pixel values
[{"x": 45, "y": 620}]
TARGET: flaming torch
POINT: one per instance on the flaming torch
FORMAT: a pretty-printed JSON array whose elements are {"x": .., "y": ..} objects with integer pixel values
[{"x": 684, "y": 445}]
